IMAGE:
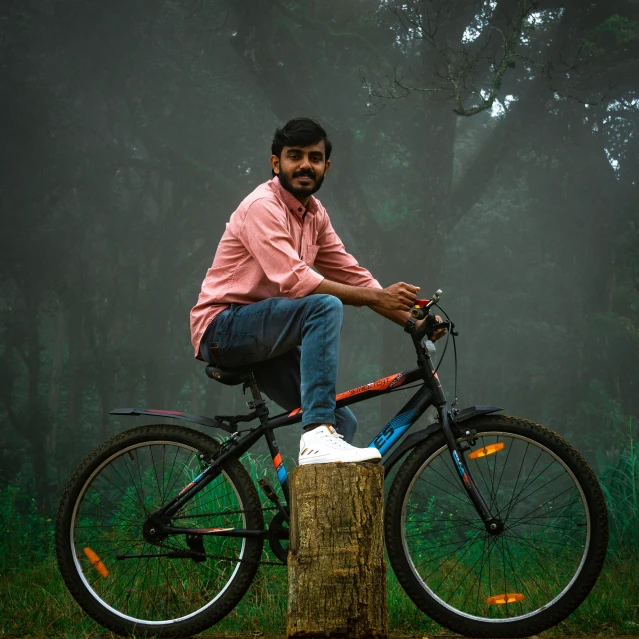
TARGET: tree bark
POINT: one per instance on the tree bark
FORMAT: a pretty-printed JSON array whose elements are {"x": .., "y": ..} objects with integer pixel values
[{"x": 336, "y": 567}]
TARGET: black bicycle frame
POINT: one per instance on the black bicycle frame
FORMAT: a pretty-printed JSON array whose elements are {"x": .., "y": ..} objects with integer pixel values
[{"x": 430, "y": 393}]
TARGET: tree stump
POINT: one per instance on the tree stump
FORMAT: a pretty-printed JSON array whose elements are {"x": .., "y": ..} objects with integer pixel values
[{"x": 336, "y": 566}]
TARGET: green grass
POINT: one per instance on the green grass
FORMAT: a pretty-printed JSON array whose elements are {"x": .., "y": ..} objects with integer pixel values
[
  {"x": 34, "y": 601},
  {"x": 611, "y": 609},
  {"x": 620, "y": 483}
]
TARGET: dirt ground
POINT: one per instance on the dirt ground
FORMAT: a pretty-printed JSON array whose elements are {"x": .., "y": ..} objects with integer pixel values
[
  {"x": 259, "y": 635},
  {"x": 392, "y": 636}
]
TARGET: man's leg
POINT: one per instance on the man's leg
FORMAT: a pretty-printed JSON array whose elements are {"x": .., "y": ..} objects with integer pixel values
[
  {"x": 279, "y": 378},
  {"x": 253, "y": 333},
  {"x": 247, "y": 335}
]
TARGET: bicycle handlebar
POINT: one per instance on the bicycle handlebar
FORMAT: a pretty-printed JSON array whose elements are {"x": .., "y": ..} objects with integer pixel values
[
  {"x": 420, "y": 311},
  {"x": 422, "y": 307}
]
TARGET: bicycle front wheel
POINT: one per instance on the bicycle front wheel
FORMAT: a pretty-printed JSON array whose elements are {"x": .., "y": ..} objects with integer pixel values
[
  {"x": 127, "y": 580},
  {"x": 522, "y": 580}
]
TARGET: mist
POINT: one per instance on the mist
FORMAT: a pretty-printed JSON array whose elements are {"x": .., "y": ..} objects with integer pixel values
[{"x": 498, "y": 165}]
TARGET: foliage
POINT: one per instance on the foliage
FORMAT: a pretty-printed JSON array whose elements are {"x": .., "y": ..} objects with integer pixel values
[
  {"x": 620, "y": 482},
  {"x": 26, "y": 537},
  {"x": 139, "y": 130},
  {"x": 621, "y": 28}
]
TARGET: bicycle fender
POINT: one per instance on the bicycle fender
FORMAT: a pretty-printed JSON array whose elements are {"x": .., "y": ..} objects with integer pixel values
[
  {"x": 175, "y": 414},
  {"x": 416, "y": 438}
]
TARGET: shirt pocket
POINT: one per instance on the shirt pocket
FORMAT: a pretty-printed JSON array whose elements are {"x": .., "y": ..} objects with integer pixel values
[{"x": 310, "y": 253}]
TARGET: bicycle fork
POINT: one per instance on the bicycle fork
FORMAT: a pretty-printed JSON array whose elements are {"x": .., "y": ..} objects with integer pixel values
[{"x": 493, "y": 524}]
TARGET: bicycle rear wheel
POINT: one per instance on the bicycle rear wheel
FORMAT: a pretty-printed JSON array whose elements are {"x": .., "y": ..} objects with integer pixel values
[
  {"x": 171, "y": 587},
  {"x": 526, "y": 578}
]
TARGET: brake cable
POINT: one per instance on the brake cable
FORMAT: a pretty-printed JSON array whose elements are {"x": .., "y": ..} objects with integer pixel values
[{"x": 450, "y": 333}]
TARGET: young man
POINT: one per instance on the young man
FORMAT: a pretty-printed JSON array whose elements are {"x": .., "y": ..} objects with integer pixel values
[{"x": 262, "y": 304}]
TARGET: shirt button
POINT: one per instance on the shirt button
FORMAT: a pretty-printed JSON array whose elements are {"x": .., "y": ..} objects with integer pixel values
[{"x": 299, "y": 210}]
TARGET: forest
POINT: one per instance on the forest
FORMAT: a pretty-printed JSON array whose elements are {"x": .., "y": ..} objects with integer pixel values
[{"x": 488, "y": 148}]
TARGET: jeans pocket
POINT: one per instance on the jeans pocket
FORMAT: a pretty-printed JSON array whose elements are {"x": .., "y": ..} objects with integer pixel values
[
  {"x": 210, "y": 335},
  {"x": 240, "y": 349}
]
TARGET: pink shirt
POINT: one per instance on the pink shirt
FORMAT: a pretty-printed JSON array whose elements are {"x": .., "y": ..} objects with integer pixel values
[{"x": 268, "y": 250}]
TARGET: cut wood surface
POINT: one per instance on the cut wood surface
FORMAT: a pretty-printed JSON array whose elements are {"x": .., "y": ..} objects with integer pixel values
[{"x": 336, "y": 566}]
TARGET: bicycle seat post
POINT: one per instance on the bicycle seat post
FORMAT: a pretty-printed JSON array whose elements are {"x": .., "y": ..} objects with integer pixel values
[{"x": 258, "y": 404}]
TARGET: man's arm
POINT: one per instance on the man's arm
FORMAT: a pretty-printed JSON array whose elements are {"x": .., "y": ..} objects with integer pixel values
[
  {"x": 399, "y": 317},
  {"x": 389, "y": 302},
  {"x": 333, "y": 261},
  {"x": 393, "y": 302}
]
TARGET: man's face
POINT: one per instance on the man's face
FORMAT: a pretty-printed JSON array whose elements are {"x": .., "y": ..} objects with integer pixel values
[{"x": 301, "y": 169}]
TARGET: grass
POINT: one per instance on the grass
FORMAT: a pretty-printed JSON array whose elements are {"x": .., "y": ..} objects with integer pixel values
[
  {"x": 34, "y": 601},
  {"x": 611, "y": 609},
  {"x": 620, "y": 483}
]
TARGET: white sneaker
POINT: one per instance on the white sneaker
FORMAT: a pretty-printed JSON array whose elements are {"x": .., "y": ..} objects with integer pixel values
[{"x": 323, "y": 445}]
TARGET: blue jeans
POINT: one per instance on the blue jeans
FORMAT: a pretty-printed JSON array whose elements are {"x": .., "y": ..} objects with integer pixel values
[{"x": 292, "y": 346}]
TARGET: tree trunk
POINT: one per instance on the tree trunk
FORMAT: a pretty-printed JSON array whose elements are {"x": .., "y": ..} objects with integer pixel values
[{"x": 336, "y": 567}]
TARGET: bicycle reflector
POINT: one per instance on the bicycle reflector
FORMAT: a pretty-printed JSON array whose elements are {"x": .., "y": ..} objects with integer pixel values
[
  {"x": 484, "y": 451},
  {"x": 510, "y": 597},
  {"x": 96, "y": 562}
]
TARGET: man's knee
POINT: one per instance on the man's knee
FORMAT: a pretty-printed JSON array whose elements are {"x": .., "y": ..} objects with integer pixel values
[{"x": 329, "y": 304}]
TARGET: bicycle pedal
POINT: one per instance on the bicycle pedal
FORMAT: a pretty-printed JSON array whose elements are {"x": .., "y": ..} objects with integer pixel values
[{"x": 196, "y": 544}]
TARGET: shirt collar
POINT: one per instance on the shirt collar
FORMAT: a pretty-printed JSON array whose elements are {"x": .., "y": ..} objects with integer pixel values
[{"x": 291, "y": 202}]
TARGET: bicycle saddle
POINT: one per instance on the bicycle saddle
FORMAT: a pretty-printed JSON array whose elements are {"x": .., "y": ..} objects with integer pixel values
[{"x": 230, "y": 377}]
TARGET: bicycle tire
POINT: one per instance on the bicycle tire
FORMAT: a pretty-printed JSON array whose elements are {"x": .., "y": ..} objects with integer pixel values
[
  {"x": 124, "y": 582},
  {"x": 525, "y": 579}
]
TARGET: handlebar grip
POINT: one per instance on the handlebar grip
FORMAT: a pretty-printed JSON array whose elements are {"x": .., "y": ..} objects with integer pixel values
[{"x": 431, "y": 326}]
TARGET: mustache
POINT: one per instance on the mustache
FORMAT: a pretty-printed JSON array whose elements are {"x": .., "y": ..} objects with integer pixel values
[{"x": 308, "y": 174}]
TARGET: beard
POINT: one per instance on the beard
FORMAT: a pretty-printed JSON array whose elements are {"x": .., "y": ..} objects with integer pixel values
[{"x": 304, "y": 191}]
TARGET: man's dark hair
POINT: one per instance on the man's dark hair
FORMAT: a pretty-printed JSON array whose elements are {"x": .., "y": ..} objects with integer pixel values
[{"x": 300, "y": 132}]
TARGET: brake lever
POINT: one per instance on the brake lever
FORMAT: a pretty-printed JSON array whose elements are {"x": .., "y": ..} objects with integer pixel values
[{"x": 449, "y": 326}]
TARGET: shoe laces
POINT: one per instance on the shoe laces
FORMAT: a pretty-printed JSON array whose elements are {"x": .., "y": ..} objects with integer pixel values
[{"x": 338, "y": 439}]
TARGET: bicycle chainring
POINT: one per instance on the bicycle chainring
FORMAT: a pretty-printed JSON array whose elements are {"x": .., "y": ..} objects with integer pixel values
[{"x": 278, "y": 532}]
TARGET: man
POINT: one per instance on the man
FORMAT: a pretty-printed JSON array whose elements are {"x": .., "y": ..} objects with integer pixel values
[{"x": 262, "y": 304}]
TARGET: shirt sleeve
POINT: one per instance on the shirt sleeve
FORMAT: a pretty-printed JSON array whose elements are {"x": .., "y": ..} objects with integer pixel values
[
  {"x": 336, "y": 264},
  {"x": 267, "y": 239}
]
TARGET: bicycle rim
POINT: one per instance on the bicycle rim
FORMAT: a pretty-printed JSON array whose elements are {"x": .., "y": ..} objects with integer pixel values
[
  {"x": 519, "y": 572},
  {"x": 107, "y": 535}
]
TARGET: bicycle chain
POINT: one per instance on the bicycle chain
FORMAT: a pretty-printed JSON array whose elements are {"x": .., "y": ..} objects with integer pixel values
[
  {"x": 231, "y": 512},
  {"x": 228, "y": 512},
  {"x": 266, "y": 563}
]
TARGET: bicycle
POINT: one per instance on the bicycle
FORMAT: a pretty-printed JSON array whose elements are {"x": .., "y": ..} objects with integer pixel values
[{"x": 495, "y": 526}]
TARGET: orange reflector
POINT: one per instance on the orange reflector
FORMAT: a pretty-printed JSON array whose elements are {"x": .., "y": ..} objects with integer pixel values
[
  {"x": 484, "y": 451},
  {"x": 510, "y": 597},
  {"x": 96, "y": 562}
]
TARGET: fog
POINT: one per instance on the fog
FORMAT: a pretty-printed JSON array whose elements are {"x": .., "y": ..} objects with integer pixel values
[{"x": 487, "y": 149}]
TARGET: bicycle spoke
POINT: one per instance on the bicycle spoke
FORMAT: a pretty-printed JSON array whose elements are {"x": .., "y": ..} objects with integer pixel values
[
  {"x": 449, "y": 517},
  {"x": 523, "y": 517},
  {"x": 456, "y": 588},
  {"x": 459, "y": 547},
  {"x": 457, "y": 497},
  {"x": 145, "y": 582},
  {"x": 535, "y": 554},
  {"x": 516, "y": 496}
]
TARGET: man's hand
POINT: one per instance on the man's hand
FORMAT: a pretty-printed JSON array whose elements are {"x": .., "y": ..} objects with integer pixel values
[
  {"x": 439, "y": 332},
  {"x": 398, "y": 297}
]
